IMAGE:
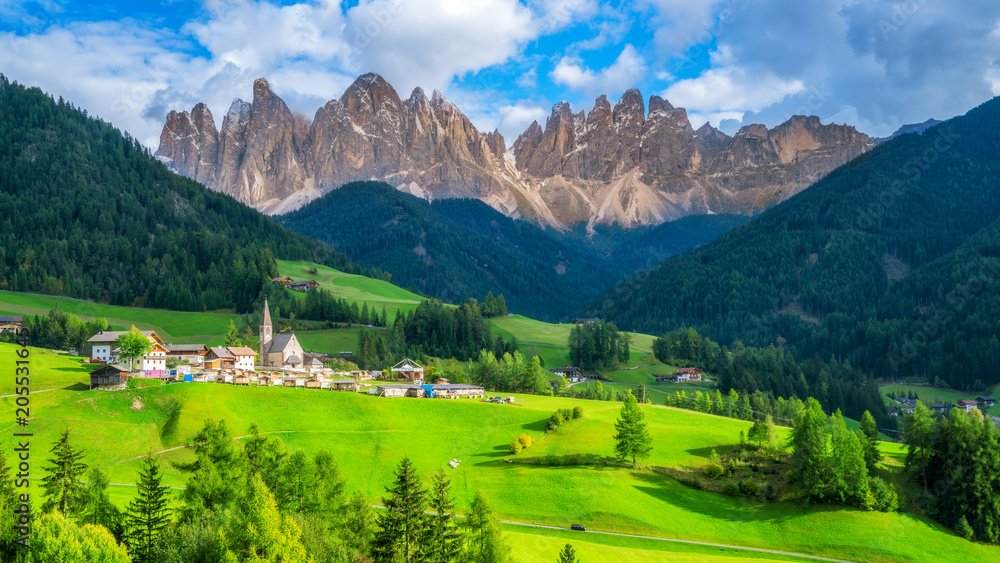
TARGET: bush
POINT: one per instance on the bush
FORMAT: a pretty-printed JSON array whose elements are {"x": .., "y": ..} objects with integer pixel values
[
  {"x": 577, "y": 412},
  {"x": 516, "y": 447},
  {"x": 714, "y": 471},
  {"x": 731, "y": 489},
  {"x": 963, "y": 528},
  {"x": 567, "y": 414},
  {"x": 692, "y": 482},
  {"x": 884, "y": 495},
  {"x": 770, "y": 492},
  {"x": 555, "y": 420},
  {"x": 749, "y": 487},
  {"x": 524, "y": 440}
]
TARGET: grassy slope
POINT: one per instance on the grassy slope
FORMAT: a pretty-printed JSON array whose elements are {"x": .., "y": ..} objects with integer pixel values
[
  {"x": 368, "y": 436},
  {"x": 376, "y": 293}
]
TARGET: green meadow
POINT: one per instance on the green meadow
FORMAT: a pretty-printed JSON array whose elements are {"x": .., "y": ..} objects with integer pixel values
[
  {"x": 930, "y": 395},
  {"x": 377, "y": 293},
  {"x": 369, "y": 435}
]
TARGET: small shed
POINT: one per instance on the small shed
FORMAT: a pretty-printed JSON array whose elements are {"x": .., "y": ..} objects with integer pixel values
[
  {"x": 345, "y": 385},
  {"x": 288, "y": 381},
  {"x": 241, "y": 379},
  {"x": 314, "y": 384},
  {"x": 109, "y": 377},
  {"x": 265, "y": 380}
]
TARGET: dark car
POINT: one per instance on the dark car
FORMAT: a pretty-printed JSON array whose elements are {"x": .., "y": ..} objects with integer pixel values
[{"x": 578, "y": 527}]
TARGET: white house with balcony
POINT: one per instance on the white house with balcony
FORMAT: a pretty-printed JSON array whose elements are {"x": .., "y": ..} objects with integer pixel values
[{"x": 104, "y": 349}]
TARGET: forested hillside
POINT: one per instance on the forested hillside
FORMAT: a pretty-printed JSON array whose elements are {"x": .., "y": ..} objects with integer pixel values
[
  {"x": 85, "y": 211},
  {"x": 887, "y": 263},
  {"x": 453, "y": 249}
]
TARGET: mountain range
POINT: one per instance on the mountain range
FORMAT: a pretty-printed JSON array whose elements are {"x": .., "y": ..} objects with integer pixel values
[
  {"x": 630, "y": 164},
  {"x": 890, "y": 263}
]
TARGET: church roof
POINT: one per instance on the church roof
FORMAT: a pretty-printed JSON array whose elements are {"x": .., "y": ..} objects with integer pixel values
[
  {"x": 266, "y": 321},
  {"x": 281, "y": 342}
]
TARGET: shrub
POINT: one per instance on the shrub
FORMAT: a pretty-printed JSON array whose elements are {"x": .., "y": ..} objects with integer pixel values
[
  {"x": 555, "y": 420},
  {"x": 714, "y": 471},
  {"x": 749, "y": 487},
  {"x": 731, "y": 489},
  {"x": 692, "y": 482},
  {"x": 567, "y": 414},
  {"x": 963, "y": 528},
  {"x": 524, "y": 440},
  {"x": 884, "y": 495},
  {"x": 577, "y": 412},
  {"x": 516, "y": 447},
  {"x": 770, "y": 492}
]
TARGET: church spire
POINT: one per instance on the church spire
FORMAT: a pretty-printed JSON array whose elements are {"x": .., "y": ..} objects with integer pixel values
[{"x": 265, "y": 334}]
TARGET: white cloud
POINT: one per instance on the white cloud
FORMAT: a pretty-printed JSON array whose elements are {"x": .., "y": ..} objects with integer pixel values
[
  {"x": 679, "y": 24},
  {"x": 729, "y": 91},
  {"x": 428, "y": 42},
  {"x": 514, "y": 119},
  {"x": 622, "y": 74}
]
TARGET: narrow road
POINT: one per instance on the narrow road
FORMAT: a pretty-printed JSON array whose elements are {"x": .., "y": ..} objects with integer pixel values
[{"x": 657, "y": 538}]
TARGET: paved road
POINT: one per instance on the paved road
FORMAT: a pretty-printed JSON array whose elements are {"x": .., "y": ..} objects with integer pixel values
[{"x": 692, "y": 542}]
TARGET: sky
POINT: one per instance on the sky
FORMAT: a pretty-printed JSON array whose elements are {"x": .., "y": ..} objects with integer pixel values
[{"x": 874, "y": 64}]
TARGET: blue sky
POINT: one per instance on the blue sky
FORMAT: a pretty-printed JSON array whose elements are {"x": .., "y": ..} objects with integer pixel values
[{"x": 875, "y": 64}]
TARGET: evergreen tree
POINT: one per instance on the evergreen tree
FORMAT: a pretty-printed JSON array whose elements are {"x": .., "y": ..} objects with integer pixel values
[
  {"x": 8, "y": 502},
  {"x": 633, "y": 439},
  {"x": 96, "y": 506},
  {"x": 446, "y": 541},
  {"x": 487, "y": 543},
  {"x": 869, "y": 441},
  {"x": 258, "y": 532},
  {"x": 148, "y": 515},
  {"x": 359, "y": 525},
  {"x": 847, "y": 477},
  {"x": 62, "y": 485},
  {"x": 218, "y": 474},
  {"x": 402, "y": 526},
  {"x": 809, "y": 443},
  {"x": 232, "y": 336},
  {"x": 265, "y": 455},
  {"x": 919, "y": 437},
  {"x": 568, "y": 554},
  {"x": 327, "y": 496}
]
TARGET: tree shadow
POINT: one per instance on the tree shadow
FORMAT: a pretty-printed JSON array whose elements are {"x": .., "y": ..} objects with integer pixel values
[
  {"x": 77, "y": 387},
  {"x": 707, "y": 451}
]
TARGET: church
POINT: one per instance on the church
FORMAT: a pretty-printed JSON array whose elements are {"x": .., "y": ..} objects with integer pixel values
[{"x": 281, "y": 351}]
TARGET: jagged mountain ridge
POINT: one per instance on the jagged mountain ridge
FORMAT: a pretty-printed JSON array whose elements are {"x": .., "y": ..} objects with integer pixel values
[{"x": 612, "y": 165}]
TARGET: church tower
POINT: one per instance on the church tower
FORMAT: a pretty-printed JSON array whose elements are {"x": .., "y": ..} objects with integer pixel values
[{"x": 265, "y": 334}]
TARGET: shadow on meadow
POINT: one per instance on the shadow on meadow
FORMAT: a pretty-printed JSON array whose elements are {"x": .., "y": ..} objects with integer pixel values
[{"x": 722, "y": 507}]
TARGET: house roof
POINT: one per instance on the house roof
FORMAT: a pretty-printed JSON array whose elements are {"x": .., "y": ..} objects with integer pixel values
[
  {"x": 186, "y": 348},
  {"x": 304, "y": 282},
  {"x": 293, "y": 359},
  {"x": 117, "y": 367},
  {"x": 315, "y": 362},
  {"x": 565, "y": 369},
  {"x": 986, "y": 399},
  {"x": 112, "y": 335},
  {"x": 10, "y": 319},
  {"x": 407, "y": 365},
  {"x": 693, "y": 371},
  {"x": 343, "y": 381},
  {"x": 222, "y": 353},
  {"x": 281, "y": 342},
  {"x": 967, "y": 402},
  {"x": 582, "y": 321},
  {"x": 242, "y": 351}
]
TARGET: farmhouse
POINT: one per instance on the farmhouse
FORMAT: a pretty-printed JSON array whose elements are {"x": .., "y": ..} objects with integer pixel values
[
  {"x": 986, "y": 401},
  {"x": 304, "y": 285},
  {"x": 408, "y": 369},
  {"x": 245, "y": 358},
  {"x": 570, "y": 373},
  {"x": 219, "y": 357},
  {"x": 967, "y": 405},
  {"x": 8, "y": 322},
  {"x": 283, "y": 281},
  {"x": 687, "y": 374},
  {"x": 111, "y": 376},
  {"x": 154, "y": 363},
  {"x": 193, "y": 353},
  {"x": 102, "y": 344}
]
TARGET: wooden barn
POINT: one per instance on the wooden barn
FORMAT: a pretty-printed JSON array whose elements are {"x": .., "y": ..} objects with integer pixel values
[
  {"x": 109, "y": 377},
  {"x": 288, "y": 381},
  {"x": 345, "y": 385},
  {"x": 314, "y": 383},
  {"x": 241, "y": 378},
  {"x": 265, "y": 380}
]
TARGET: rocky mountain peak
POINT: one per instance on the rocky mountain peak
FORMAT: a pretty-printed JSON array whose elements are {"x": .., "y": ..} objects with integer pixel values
[{"x": 612, "y": 165}]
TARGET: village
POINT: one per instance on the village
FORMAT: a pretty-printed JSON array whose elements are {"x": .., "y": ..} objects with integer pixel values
[{"x": 279, "y": 361}]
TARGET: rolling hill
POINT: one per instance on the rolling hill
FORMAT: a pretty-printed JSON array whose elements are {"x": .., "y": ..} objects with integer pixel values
[
  {"x": 368, "y": 436},
  {"x": 888, "y": 263}
]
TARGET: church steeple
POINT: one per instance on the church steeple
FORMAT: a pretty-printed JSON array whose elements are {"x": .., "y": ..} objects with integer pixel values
[{"x": 265, "y": 334}]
